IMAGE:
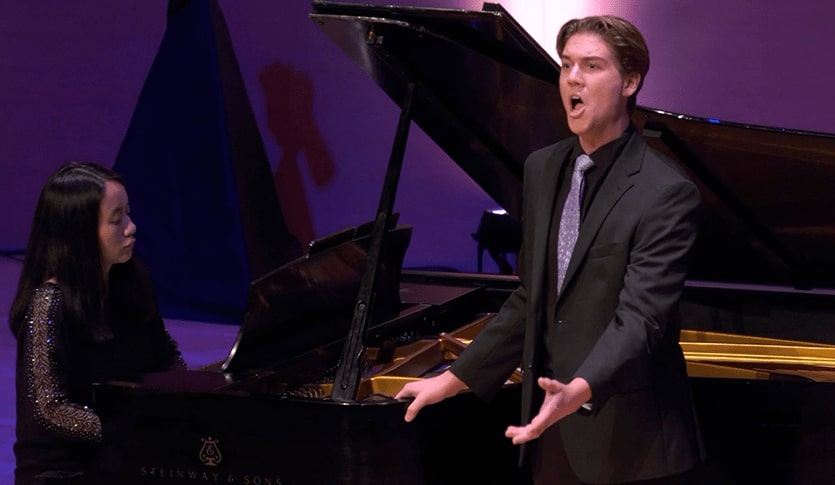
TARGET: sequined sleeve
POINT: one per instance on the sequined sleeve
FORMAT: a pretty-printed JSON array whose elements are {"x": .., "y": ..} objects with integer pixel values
[
  {"x": 173, "y": 357},
  {"x": 45, "y": 372},
  {"x": 178, "y": 361},
  {"x": 167, "y": 355}
]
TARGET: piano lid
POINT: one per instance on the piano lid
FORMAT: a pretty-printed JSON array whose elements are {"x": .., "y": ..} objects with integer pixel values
[
  {"x": 488, "y": 95},
  {"x": 767, "y": 196}
]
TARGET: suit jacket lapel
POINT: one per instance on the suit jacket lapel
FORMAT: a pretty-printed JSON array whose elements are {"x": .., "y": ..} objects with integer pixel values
[
  {"x": 616, "y": 183},
  {"x": 539, "y": 255}
]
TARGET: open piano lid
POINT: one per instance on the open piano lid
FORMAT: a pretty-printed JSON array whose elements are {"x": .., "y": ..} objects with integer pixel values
[
  {"x": 488, "y": 95},
  {"x": 767, "y": 197}
]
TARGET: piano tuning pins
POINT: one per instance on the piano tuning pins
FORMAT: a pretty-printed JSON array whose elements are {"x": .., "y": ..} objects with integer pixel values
[{"x": 307, "y": 391}]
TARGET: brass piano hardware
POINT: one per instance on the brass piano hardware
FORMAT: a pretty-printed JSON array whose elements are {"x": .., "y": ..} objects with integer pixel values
[{"x": 710, "y": 354}]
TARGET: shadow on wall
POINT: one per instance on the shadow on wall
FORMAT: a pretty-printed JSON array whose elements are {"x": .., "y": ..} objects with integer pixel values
[
  {"x": 289, "y": 102},
  {"x": 199, "y": 167}
]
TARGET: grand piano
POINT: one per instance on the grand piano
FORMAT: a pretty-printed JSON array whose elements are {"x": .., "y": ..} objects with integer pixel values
[{"x": 305, "y": 393}]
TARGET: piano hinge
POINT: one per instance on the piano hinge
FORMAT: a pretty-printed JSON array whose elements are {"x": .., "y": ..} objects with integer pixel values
[{"x": 372, "y": 38}]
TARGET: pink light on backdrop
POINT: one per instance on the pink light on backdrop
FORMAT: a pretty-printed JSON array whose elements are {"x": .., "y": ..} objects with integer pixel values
[{"x": 543, "y": 18}]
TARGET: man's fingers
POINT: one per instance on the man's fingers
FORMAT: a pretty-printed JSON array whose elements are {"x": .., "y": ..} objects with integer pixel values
[
  {"x": 550, "y": 385},
  {"x": 513, "y": 431},
  {"x": 549, "y": 413},
  {"x": 412, "y": 411},
  {"x": 520, "y": 434}
]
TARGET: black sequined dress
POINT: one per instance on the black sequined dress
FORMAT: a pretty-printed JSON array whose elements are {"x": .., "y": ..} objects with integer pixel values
[{"x": 57, "y": 431}]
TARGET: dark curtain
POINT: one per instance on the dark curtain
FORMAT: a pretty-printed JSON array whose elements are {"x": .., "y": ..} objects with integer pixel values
[{"x": 197, "y": 175}]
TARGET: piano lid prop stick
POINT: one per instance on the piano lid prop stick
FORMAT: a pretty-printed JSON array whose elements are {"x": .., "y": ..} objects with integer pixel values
[{"x": 347, "y": 379}]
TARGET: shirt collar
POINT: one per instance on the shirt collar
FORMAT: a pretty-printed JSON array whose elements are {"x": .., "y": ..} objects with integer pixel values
[{"x": 606, "y": 155}]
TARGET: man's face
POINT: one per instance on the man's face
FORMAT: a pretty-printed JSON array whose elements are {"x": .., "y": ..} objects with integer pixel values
[{"x": 594, "y": 92}]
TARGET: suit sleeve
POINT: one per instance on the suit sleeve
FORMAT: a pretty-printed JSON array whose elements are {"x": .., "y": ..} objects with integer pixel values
[
  {"x": 498, "y": 349},
  {"x": 496, "y": 352},
  {"x": 648, "y": 303}
]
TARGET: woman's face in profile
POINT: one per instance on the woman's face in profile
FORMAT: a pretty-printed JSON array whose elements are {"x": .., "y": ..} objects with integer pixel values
[{"x": 116, "y": 230}]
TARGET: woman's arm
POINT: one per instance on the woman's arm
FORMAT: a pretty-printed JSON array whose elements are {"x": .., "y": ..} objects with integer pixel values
[{"x": 45, "y": 373}]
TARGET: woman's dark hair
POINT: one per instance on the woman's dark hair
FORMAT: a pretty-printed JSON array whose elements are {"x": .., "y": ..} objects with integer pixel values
[
  {"x": 64, "y": 245},
  {"x": 625, "y": 40}
]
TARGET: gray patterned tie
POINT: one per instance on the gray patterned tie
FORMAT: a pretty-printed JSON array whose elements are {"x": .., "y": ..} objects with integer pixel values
[{"x": 570, "y": 221}]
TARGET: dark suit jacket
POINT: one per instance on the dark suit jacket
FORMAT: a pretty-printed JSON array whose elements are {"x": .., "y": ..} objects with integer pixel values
[{"x": 617, "y": 322}]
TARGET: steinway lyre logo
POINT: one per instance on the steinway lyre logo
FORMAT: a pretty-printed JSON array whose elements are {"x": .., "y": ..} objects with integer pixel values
[{"x": 209, "y": 452}]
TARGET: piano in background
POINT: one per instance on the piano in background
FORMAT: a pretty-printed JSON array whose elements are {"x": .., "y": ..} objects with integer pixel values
[{"x": 759, "y": 304}]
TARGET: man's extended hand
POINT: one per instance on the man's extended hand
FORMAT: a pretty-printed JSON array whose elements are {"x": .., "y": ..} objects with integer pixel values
[
  {"x": 560, "y": 401},
  {"x": 430, "y": 391}
]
